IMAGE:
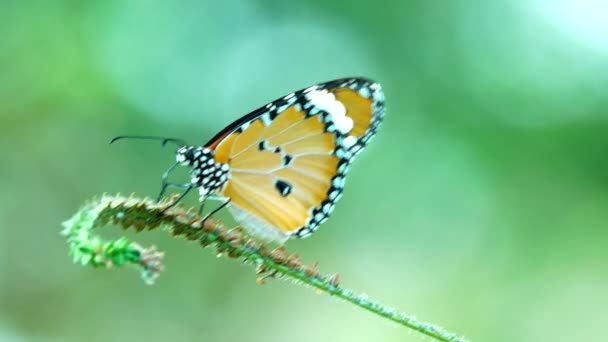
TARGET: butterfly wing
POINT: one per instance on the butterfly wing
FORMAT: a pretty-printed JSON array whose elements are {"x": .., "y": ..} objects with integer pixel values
[{"x": 289, "y": 158}]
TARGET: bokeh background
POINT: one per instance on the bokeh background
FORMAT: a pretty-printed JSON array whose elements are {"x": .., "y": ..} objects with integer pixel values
[{"x": 480, "y": 206}]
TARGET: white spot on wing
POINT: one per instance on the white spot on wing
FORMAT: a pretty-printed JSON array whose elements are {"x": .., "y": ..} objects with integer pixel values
[
  {"x": 349, "y": 141},
  {"x": 311, "y": 88},
  {"x": 266, "y": 119},
  {"x": 326, "y": 101},
  {"x": 319, "y": 216},
  {"x": 344, "y": 124},
  {"x": 340, "y": 153},
  {"x": 282, "y": 108},
  {"x": 338, "y": 182},
  {"x": 378, "y": 93},
  {"x": 364, "y": 92}
]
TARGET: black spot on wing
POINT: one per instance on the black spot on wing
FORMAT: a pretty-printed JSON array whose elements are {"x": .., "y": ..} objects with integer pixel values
[
  {"x": 287, "y": 159},
  {"x": 283, "y": 187},
  {"x": 263, "y": 145}
]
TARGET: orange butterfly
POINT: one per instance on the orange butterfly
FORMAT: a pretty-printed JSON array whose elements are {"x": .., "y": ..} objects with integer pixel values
[{"x": 280, "y": 169}]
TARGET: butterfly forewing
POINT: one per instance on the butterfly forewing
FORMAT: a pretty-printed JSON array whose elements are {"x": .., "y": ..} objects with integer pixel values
[{"x": 289, "y": 158}]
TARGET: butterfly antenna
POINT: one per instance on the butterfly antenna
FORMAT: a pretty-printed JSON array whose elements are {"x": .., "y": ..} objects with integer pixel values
[{"x": 163, "y": 140}]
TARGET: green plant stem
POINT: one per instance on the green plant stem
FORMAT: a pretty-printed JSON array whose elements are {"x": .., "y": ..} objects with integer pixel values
[{"x": 142, "y": 214}]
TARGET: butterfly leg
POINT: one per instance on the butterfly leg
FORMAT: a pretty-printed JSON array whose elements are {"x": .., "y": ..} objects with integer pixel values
[
  {"x": 220, "y": 207},
  {"x": 182, "y": 195},
  {"x": 200, "y": 209},
  {"x": 165, "y": 184},
  {"x": 209, "y": 197},
  {"x": 177, "y": 185}
]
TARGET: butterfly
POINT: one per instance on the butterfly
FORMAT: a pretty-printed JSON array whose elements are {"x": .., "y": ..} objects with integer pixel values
[{"x": 280, "y": 169}]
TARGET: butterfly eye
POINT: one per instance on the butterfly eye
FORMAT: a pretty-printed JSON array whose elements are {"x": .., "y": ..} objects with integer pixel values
[{"x": 185, "y": 155}]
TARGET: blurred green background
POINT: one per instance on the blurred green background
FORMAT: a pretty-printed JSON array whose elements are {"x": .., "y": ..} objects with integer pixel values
[{"x": 481, "y": 205}]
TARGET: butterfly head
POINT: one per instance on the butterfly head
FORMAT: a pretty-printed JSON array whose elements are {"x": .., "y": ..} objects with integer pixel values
[
  {"x": 207, "y": 174},
  {"x": 185, "y": 155}
]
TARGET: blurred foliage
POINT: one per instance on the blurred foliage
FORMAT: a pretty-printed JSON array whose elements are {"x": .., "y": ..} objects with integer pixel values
[{"x": 480, "y": 206}]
